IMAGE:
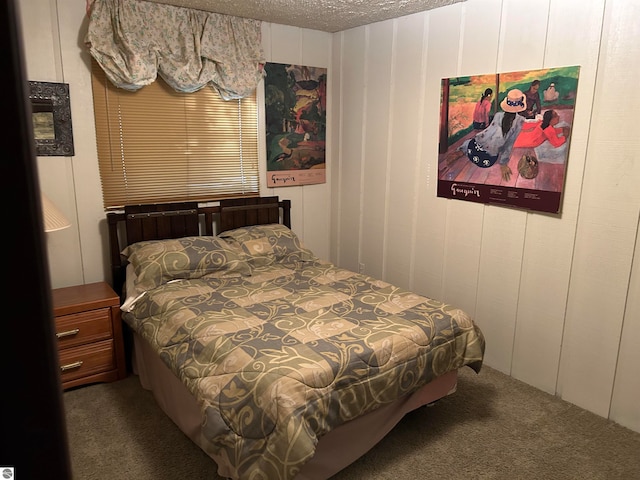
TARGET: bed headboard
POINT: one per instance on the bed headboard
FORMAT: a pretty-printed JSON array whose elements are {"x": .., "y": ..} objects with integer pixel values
[{"x": 175, "y": 220}]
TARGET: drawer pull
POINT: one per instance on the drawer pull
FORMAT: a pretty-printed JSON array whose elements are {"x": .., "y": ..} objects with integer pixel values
[
  {"x": 69, "y": 366},
  {"x": 68, "y": 333}
]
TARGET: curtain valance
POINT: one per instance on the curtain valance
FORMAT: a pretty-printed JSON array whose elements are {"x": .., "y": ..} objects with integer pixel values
[{"x": 134, "y": 41}]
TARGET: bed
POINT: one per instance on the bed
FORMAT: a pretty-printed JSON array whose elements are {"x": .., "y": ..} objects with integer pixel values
[{"x": 278, "y": 364}]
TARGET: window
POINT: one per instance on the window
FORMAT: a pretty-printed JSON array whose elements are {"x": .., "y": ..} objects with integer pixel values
[{"x": 156, "y": 145}]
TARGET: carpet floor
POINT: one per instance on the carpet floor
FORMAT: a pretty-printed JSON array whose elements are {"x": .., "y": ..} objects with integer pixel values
[{"x": 492, "y": 427}]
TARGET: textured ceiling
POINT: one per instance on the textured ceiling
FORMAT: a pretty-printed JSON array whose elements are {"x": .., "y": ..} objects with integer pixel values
[{"x": 325, "y": 15}]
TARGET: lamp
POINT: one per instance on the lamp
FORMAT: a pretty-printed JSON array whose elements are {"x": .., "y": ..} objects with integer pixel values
[{"x": 54, "y": 219}]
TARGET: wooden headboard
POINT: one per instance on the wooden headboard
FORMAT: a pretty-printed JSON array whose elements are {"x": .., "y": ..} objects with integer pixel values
[{"x": 175, "y": 220}]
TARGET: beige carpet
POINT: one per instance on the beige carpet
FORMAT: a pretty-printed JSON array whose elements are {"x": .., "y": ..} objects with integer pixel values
[{"x": 493, "y": 427}]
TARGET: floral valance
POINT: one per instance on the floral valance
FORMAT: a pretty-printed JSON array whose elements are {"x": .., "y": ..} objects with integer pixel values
[{"x": 134, "y": 41}]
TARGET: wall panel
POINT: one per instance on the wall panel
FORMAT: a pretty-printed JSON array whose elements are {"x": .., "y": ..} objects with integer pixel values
[
  {"x": 379, "y": 46},
  {"x": 335, "y": 147},
  {"x": 499, "y": 282},
  {"x": 406, "y": 123},
  {"x": 548, "y": 249},
  {"x": 522, "y": 36},
  {"x": 86, "y": 178},
  {"x": 40, "y": 40},
  {"x": 353, "y": 84},
  {"x": 439, "y": 59},
  {"x": 607, "y": 222},
  {"x": 626, "y": 391}
]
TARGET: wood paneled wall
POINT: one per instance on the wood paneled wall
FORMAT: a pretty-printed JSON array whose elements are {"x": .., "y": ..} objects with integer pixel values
[{"x": 555, "y": 295}]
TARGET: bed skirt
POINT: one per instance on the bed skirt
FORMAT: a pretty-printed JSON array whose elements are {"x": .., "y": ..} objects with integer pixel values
[{"x": 335, "y": 450}]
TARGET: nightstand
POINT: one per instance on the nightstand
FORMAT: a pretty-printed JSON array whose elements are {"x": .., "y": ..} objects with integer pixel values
[{"x": 89, "y": 331}]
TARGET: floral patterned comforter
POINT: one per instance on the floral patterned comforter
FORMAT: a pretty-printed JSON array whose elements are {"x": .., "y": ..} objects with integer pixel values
[{"x": 278, "y": 358}]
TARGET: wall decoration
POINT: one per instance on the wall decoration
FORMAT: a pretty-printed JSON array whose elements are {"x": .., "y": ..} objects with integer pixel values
[
  {"x": 51, "y": 115},
  {"x": 504, "y": 138},
  {"x": 295, "y": 110}
]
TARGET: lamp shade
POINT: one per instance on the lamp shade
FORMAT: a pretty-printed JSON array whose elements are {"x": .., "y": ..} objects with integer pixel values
[{"x": 53, "y": 218}]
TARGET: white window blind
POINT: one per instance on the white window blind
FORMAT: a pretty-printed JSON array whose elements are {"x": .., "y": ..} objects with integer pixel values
[{"x": 157, "y": 145}]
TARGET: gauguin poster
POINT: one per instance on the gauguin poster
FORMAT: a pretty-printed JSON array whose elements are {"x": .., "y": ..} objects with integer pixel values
[
  {"x": 504, "y": 138},
  {"x": 295, "y": 110}
]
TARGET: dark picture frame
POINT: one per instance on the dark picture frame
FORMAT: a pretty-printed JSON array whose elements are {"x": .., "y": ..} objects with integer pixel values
[{"x": 51, "y": 116}]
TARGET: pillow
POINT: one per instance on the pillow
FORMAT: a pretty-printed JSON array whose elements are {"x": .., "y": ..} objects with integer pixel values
[
  {"x": 156, "y": 262},
  {"x": 267, "y": 244}
]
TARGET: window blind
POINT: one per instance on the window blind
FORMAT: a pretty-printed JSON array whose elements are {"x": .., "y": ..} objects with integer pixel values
[{"x": 156, "y": 145}]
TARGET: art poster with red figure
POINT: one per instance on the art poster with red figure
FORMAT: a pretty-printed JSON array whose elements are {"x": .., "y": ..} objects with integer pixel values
[
  {"x": 504, "y": 137},
  {"x": 296, "y": 112}
]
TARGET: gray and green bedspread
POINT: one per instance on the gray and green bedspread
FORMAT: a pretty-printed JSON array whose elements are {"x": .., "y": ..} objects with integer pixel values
[{"x": 282, "y": 356}]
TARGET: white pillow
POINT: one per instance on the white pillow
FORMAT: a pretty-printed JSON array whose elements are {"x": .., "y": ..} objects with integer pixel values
[{"x": 131, "y": 296}]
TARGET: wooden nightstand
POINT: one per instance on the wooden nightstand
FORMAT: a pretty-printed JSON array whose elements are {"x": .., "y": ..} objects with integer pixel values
[{"x": 89, "y": 332}]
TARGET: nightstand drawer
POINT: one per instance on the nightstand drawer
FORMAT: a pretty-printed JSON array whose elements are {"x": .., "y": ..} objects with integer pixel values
[
  {"x": 86, "y": 360},
  {"x": 89, "y": 330},
  {"x": 79, "y": 328}
]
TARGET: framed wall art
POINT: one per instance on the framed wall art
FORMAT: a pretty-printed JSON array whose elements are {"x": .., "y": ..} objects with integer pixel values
[
  {"x": 504, "y": 138},
  {"x": 296, "y": 112},
  {"x": 51, "y": 115}
]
